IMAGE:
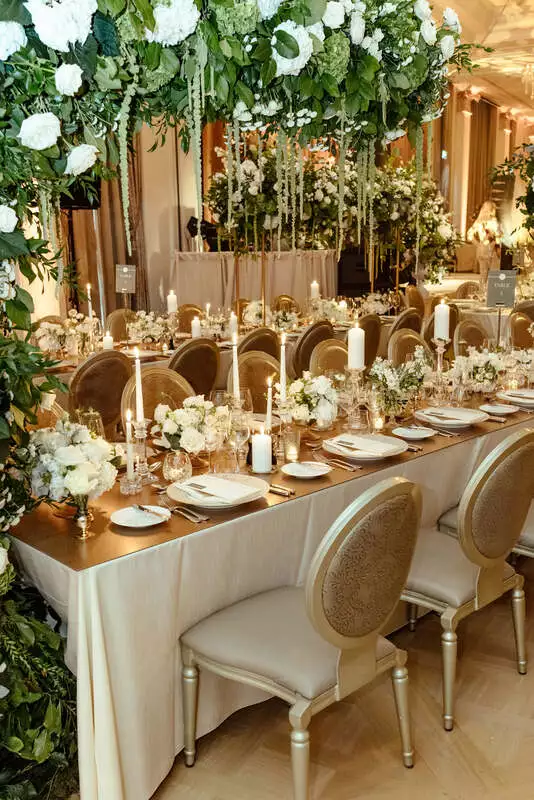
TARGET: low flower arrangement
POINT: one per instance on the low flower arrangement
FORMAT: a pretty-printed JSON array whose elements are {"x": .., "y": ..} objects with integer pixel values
[
  {"x": 311, "y": 399},
  {"x": 285, "y": 320},
  {"x": 148, "y": 328},
  {"x": 185, "y": 428},
  {"x": 73, "y": 335},
  {"x": 479, "y": 370},
  {"x": 333, "y": 310},
  {"x": 376, "y": 303},
  {"x": 253, "y": 314},
  {"x": 398, "y": 386}
]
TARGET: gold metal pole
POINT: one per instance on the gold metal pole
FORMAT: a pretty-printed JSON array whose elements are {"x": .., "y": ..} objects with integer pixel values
[
  {"x": 397, "y": 264},
  {"x": 263, "y": 281},
  {"x": 236, "y": 289},
  {"x": 372, "y": 268}
]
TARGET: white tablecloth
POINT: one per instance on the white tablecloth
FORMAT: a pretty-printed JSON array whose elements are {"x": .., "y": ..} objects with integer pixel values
[
  {"x": 125, "y": 617},
  {"x": 210, "y": 277}
]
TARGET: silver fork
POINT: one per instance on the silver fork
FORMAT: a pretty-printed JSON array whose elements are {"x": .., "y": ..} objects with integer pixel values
[
  {"x": 187, "y": 513},
  {"x": 334, "y": 462}
]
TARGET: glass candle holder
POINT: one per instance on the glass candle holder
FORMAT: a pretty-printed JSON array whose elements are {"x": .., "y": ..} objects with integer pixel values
[{"x": 291, "y": 439}]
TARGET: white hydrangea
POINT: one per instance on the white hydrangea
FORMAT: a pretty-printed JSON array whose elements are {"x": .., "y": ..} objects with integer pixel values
[
  {"x": 317, "y": 30},
  {"x": 293, "y": 66},
  {"x": 268, "y": 8},
  {"x": 357, "y": 28},
  {"x": 80, "y": 159},
  {"x": 422, "y": 9},
  {"x": 61, "y": 23},
  {"x": 429, "y": 31},
  {"x": 40, "y": 131},
  {"x": 68, "y": 79},
  {"x": 192, "y": 440},
  {"x": 175, "y": 21},
  {"x": 8, "y": 219},
  {"x": 4, "y": 561},
  {"x": 451, "y": 20},
  {"x": 448, "y": 46},
  {"x": 334, "y": 15},
  {"x": 12, "y": 38}
]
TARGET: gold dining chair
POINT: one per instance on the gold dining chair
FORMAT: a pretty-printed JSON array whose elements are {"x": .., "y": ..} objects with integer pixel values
[
  {"x": 414, "y": 299},
  {"x": 239, "y": 307},
  {"x": 456, "y": 577},
  {"x": 410, "y": 318},
  {"x": 284, "y": 302},
  {"x": 330, "y": 355},
  {"x": 467, "y": 288},
  {"x": 186, "y": 314},
  {"x": 262, "y": 339},
  {"x": 448, "y": 523},
  {"x": 98, "y": 383},
  {"x": 47, "y": 417},
  {"x": 428, "y": 330},
  {"x": 371, "y": 324},
  {"x": 312, "y": 646},
  {"x": 255, "y": 368},
  {"x": 307, "y": 342},
  {"x": 403, "y": 344},
  {"x": 197, "y": 361},
  {"x": 117, "y": 323},
  {"x": 469, "y": 333},
  {"x": 527, "y": 307},
  {"x": 53, "y": 319},
  {"x": 520, "y": 335},
  {"x": 160, "y": 385}
]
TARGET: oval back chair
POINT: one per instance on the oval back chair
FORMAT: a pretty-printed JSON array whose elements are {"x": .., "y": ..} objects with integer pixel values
[
  {"x": 435, "y": 300},
  {"x": 117, "y": 323},
  {"x": 307, "y": 342},
  {"x": 414, "y": 299},
  {"x": 284, "y": 302},
  {"x": 98, "y": 383},
  {"x": 263, "y": 339},
  {"x": 428, "y": 326},
  {"x": 520, "y": 324},
  {"x": 54, "y": 319},
  {"x": 47, "y": 417},
  {"x": 410, "y": 319},
  {"x": 186, "y": 314},
  {"x": 403, "y": 344},
  {"x": 330, "y": 355},
  {"x": 370, "y": 323},
  {"x": 527, "y": 307},
  {"x": 160, "y": 385},
  {"x": 198, "y": 362},
  {"x": 239, "y": 307},
  {"x": 467, "y": 288},
  {"x": 255, "y": 368},
  {"x": 469, "y": 333}
]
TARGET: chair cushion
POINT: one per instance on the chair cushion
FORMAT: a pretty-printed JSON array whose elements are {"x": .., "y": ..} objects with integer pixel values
[
  {"x": 270, "y": 635},
  {"x": 449, "y": 520},
  {"x": 442, "y": 572}
]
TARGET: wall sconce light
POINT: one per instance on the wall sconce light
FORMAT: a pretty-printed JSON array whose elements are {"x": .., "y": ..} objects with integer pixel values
[{"x": 444, "y": 155}]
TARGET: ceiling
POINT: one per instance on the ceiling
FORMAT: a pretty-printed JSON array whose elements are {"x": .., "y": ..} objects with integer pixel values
[{"x": 507, "y": 26}]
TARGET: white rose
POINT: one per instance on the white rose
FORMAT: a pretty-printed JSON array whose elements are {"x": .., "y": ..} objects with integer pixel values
[
  {"x": 80, "y": 159},
  {"x": 169, "y": 426},
  {"x": 448, "y": 46},
  {"x": 40, "y": 131},
  {"x": 192, "y": 440},
  {"x": 69, "y": 456},
  {"x": 106, "y": 478},
  {"x": 357, "y": 29},
  {"x": 422, "y": 9},
  {"x": 8, "y": 219},
  {"x": 97, "y": 450},
  {"x": 68, "y": 79},
  {"x": 268, "y": 8},
  {"x": 4, "y": 560},
  {"x": 160, "y": 413},
  {"x": 451, "y": 20},
  {"x": 12, "y": 38},
  {"x": 301, "y": 414},
  {"x": 61, "y": 23},
  {"x": 175, "y": 21},
  {"x": 428, "y": 31},
  {"x": 334, "y": 16},
  {"x": 81, "y": 481}
]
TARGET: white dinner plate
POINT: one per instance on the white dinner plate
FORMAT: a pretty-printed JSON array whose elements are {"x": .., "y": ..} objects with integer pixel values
[
  {"x": 414, "y": 434},
  {"x": 258, "y": 487},
  {"x": 451, "y": 418},
  {"x": 380, "y": 447},
  {"x": 306, "y": 469},
  {"x": 519, "y": 397},
  {"x": 499, "y": 410},
  {"x": 131, "y": 517}
]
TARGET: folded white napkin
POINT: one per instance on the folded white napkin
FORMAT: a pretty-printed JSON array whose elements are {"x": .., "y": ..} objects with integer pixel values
[
  {"x": 366, "y": 444},
  {"x": 221, "y": 489}
]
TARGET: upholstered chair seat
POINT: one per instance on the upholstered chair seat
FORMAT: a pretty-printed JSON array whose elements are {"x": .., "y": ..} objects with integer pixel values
[
  {"x": 448, "y": 523},
  {"x": 404, "y": 343},
  {"x": 270, "y": 634},
  {"x": 410, "y": 318},
  {"x": 371, "y": 324},
  {"x": 117, "y": 323},
  {"x": 186, "y": 315}
]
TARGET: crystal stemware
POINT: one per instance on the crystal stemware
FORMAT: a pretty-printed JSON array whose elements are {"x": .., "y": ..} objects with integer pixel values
[
  {"x": 177, "y": 466},
  {"x": 239, "y": 432}
]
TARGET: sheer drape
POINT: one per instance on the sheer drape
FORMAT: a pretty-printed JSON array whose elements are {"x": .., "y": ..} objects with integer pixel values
[{"x": 482, "y": 156}]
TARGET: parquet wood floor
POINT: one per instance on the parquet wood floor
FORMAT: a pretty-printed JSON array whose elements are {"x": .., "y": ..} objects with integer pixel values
[{"x": 355, "y": 745}]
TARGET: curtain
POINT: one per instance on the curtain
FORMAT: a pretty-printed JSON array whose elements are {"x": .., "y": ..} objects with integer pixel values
[{"x": 481, "y": 156}]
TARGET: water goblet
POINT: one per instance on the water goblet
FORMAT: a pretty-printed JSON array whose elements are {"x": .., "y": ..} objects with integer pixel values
[
  {"x": 177, "y": 466},
  {"x": 239, "y": 432}
]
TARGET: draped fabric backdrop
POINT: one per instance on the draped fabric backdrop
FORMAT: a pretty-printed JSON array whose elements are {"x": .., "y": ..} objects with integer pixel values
[{"x": 482, "y": 156}]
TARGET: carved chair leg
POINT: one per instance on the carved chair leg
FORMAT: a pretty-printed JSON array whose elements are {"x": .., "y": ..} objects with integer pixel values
[
  {"x": 519, "y": 613},
  {"x": 412, "y": 616},
  {"x": 300, "y": 762},
  {"x": 399, "y": 677},
  {"x": 449, "y": 650},
  {"x": 190, "y": 702}
]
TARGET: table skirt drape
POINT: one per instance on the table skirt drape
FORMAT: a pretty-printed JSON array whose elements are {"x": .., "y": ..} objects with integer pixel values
[{"x": 125, "y": 616}]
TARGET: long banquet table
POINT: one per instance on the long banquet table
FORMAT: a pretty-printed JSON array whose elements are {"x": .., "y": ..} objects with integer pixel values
[{"x": 127, "y": 597}]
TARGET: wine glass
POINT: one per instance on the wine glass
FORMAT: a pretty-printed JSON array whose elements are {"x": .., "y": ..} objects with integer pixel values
[
  {"x": 177, "y": 466},
  {"x": 245, "y": 400},
  {"x": 213, "y": 438},
  {"x": 239, "y": 432},
  {"x": 220, "y": 397},
  {"x": 92, "y": 421}
]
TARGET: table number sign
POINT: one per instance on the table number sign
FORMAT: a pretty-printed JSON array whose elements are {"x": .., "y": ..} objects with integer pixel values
[
  {"x": 125, "y": 278},
  {"x": 501, "y": 289}
]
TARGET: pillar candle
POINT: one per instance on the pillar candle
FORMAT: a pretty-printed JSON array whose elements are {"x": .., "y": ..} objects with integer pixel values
[
  {"x": 262, "y": 452},
  {"x": 235, "y": 371},
  {"x": 283, "y": 372},
  {"x": 129, "y": 447},
  {"x": 314, "y": 291},
  {"x": 89, "y": 301},
  {"x": 196, "y": 331},
  {"x": 233, "y": 325},
  {"x": 172, "y": 303},
  {"x": 269, "y": 415},
  {"x": 107, "y": 341},
  {"x": 441, "y": 321},
  {"x": 139, "y": 408},
  {"x": 356, "y": 358}
]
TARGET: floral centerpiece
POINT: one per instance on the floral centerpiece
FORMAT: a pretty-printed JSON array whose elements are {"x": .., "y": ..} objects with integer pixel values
[
  {"x": 51, "y": 337},
  {"x": 398, "y": 386},
  {"x": 311, "y": 399},
  {"x": 479, "y": 370},
  {"x": 376, "y": 303},
  {"x": 285, "y": 320},
  {"x": 333, "y": 310},
  {"x": 185, "y": 428},
  {"x": 79, "y": 330},
  {"x": 253, "y": 314},
  {"x": 148, "y": 328}
]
